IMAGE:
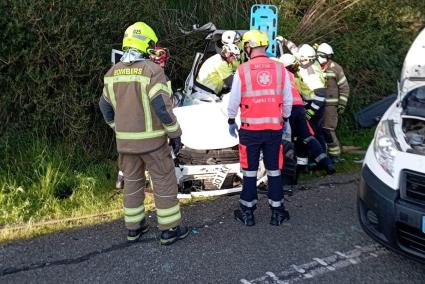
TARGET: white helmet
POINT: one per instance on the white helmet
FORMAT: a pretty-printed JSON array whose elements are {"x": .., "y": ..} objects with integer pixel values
[
  {"x": 306, "y": 52},
  {"x": 287, "y": 59},
  {"x": 230, "y": 37},
  {"x": 325, "y": 48},
  {"x": 230, "y": 49}
]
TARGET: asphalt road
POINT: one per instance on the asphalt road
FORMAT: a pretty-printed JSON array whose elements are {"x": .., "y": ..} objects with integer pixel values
[{"x": 322, "y": 243}]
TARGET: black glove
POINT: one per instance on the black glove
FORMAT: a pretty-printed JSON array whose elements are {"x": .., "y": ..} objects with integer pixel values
[{"x": 176, "y": 144}]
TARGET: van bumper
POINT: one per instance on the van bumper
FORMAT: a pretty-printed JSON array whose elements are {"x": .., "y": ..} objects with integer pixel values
[{"x": 391, "y": 221}]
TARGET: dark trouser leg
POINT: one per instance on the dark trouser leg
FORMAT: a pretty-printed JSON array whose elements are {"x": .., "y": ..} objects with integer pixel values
[
  {"x": 273, "y": 161},
  {"x": 306, "y": 141},
  {"x": 299, "y": 129},
  {"x": 316, "y": 123},
  {"x": 249, "y": 152}
]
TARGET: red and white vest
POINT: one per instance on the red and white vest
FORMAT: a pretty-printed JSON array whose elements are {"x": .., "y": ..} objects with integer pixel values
[
  {"x": 262, "y": 83},
  {"x": 296, "y": 97}
]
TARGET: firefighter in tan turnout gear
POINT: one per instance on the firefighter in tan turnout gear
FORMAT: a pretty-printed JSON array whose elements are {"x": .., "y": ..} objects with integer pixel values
[
  {"x": 337, "y": 92},
  {"x": 136, "y": 103}
]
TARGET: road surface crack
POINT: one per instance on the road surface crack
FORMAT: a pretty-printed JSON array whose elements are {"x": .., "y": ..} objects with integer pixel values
[{"x": 76, "y": 260}]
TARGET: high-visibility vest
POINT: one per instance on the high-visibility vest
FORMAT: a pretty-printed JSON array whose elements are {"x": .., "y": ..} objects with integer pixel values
[
  {"x": 312, "y": 78},
  {"x": 213, "y": 72},
  {"x": 296, "y": 97},
  {"x": 262, "y": 84}
]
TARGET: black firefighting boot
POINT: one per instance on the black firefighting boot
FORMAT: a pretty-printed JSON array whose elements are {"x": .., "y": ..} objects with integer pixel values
[
  {"x": 327, "y": 165},
  {"x": 335, "y": 159},
  {"x": 330, "y": 169},
  {"x": 174, "y": 234},
  {"x": 245, "y": 215},
  {"x": 134, "y": 235},
  {"x": 279, "y": 215}
]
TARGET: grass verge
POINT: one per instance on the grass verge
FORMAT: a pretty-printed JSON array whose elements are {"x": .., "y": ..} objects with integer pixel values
[
  {"x": 49, "y": 187},
  {"x": 42, "y": 181}
]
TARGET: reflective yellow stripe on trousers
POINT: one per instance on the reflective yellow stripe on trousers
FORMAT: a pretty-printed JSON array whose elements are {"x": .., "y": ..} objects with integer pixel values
[
  {"x": 134, "y": 215},
  {"x": 332, "y": 100},
  {"x": 334, "y": 150},
  {"x": 169, "y": 215}
]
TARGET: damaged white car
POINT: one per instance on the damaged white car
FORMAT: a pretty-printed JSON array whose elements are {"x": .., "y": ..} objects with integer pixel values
[{"x": 209, "y": 160}]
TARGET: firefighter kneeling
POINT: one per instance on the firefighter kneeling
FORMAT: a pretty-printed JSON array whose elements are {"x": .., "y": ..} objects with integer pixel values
[{"x": 262, "y": 89}]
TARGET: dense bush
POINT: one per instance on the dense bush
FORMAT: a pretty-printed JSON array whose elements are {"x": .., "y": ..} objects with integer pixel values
[{"x": 55, "y": 53}]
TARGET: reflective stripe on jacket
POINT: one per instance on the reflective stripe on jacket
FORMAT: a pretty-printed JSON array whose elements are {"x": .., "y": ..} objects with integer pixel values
[
  {"x": 313, "y": 78},
  {"x": 337, "y": 90},
  {"x": 261, "y": 105},
  {"x": 139, "y": 95},
  {"x": 313, "y": 86}
]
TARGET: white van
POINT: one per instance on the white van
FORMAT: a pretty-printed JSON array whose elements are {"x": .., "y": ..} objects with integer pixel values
[{"x": 391, "y": 196}]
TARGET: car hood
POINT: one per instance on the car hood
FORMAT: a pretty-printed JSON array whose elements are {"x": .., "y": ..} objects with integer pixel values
[
  {"x": 413, "y": 71},
  {"x": 204, "y": 126}
]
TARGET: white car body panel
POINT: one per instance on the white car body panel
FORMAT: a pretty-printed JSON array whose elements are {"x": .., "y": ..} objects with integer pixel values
[
  {"x": 205, "y": 126},
  {"x": 413, "y": 66},
  {"x": 412, "y": 77}
]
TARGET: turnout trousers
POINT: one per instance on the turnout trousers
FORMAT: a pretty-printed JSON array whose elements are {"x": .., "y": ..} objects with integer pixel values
[
  {"x": 160, "y": 166},
  {"x": 251, "y": 144},
  {"x": 316, "y": 123},
  {"x": 329, "y": 126}
]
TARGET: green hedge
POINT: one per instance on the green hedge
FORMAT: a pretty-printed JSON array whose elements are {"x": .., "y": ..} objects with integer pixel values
[{"x": 54, "y": 53}]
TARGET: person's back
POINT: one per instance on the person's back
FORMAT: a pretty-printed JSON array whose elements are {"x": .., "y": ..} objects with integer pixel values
[
  {"x": 136, "y": 104},
  {"x": 216, "y": 73},
  {"x": 313, "y": 78},
  {"x": 133, "y": 115},
  {"x": 213, "y": 72},
  {"x": 262, "y": 72},
  {"x": 261, "y": 90}
]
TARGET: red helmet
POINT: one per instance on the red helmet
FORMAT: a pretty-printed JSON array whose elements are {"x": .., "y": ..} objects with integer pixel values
[{"x": 160, "y": 55}]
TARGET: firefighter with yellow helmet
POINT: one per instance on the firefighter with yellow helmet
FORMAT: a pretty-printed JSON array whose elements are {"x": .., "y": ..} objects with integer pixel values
[{"x": 136, "y": 103}]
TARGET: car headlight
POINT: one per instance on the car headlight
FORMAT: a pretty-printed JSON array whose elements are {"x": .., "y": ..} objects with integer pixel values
[{"x": 385, "y": 146}]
